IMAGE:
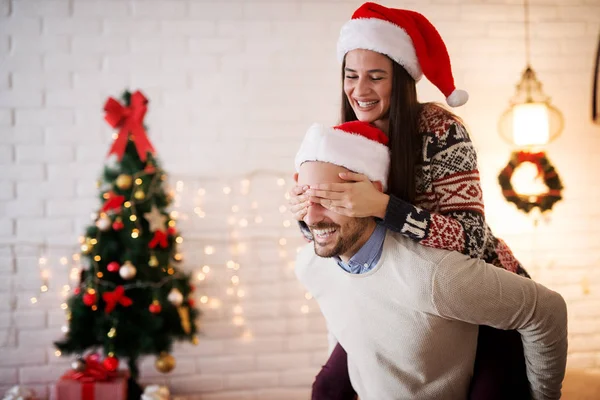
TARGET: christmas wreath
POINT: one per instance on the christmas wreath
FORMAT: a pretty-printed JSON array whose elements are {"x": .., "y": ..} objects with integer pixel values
[{"x": 544, "y": 201}]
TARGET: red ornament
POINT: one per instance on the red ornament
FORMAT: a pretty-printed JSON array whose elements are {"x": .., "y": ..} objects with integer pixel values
[
  {"x": 149, "y": 169},
  {"x": 111, "y": 363},
  {"x": 113, "y": 266},
  {"x": 89, "y": 299},
  {"x": 77, "y": 290},
  {"x": 155, "y": 307},
  {"x": 129, "y": 121},
  {"x": 172, "y": 231},
  {"x": 118, "y": 225},
  {"x": 191, "y": 302}
]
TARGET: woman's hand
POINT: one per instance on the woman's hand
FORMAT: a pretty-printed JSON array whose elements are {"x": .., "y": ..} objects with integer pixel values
[
  {"x": 298, "y": 201},
  {"x": 358, "y": 198}
]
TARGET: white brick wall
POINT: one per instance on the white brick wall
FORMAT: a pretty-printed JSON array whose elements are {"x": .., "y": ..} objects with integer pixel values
[{"x": 232, "y": 86}]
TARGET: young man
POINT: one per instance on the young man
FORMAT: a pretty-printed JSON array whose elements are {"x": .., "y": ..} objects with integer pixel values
[{"x": 409, "y": 324}]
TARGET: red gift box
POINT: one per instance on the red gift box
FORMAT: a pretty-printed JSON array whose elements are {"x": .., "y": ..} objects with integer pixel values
[{"x": 93, "y": 383}]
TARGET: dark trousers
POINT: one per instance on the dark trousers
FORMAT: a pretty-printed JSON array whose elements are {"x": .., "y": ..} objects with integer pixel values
[{"x": 499, "y": 371}]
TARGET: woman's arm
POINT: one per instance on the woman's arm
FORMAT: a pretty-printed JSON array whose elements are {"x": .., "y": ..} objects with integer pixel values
[{"x": 454, "y": 193}]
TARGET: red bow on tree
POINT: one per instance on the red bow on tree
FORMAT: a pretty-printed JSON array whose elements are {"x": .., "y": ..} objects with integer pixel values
[
  {"x": 113, "y": 202},
  {"x": 114, "y": 297},
  {"x": 129, "y": 120},
  {"x": 160, "y": 238},
  {"x": 525, "y": 156}
]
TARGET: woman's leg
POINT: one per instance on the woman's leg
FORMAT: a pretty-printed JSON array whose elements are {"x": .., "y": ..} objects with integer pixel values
[
  {"x": 499, "y": 371},
  {"x": 333, "y": 382}
]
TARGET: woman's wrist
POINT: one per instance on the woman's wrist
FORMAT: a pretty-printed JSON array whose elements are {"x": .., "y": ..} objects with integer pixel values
[{"x": 382, "y": 207}]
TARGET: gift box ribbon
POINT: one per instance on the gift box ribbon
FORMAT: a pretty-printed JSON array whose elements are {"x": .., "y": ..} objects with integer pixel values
[{"x": 94, "y": 372}]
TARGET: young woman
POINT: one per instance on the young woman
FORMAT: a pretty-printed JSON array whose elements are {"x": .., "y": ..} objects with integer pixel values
[{"x": 434, "y": 195}]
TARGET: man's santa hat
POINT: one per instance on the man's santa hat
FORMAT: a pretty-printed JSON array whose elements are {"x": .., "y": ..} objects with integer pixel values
[
  {"x": 408, "y": 38},
  {"x": 357, "y": 146}
]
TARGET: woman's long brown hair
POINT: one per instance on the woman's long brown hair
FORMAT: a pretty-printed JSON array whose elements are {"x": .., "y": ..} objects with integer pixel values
[{"x": 405, "y": 140}]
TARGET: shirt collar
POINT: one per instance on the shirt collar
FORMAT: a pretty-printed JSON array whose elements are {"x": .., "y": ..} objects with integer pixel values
[{"x": 368, "y": 255}]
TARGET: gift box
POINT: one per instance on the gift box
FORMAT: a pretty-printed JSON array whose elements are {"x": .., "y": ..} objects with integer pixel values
[
  {"x": 92, "y": 381},
  {"x": 89, "y": 389}
]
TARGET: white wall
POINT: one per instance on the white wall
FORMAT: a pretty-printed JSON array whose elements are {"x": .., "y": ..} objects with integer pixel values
[{"x": 233, "y": 86}]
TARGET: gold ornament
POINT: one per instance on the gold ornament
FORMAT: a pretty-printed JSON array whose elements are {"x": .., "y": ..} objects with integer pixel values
[
  {"x": 139, "y": 195},
  {"x": 78, "y": 365},
  {"x": 104, "y": 223},
  {"x": 124, "y": 181},
  {"x": 112, "y": 332},
  {"x": 127, "y": 270},
  {"x": 195, "y": 341},
  {"x": 175, "y": 297},
  {"x": 88, "y": 246},
  {"x": 184, "y": 315},
  {"x": 165, "y": 363},
  {"x": 153, "y": 262},
  {"x": 156, "y": 220}
]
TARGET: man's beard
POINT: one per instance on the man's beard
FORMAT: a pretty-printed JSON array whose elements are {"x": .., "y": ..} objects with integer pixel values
[{"x": 347, "y": 237}]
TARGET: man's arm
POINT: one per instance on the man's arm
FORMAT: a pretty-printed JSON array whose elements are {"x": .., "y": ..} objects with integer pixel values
[{"x": 470, "y": 290}]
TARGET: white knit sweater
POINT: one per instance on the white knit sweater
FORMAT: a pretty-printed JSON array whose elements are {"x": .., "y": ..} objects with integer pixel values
[{"x": 410, "y": 325}]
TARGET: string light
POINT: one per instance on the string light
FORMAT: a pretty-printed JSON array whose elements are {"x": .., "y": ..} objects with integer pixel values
[{"x": 247, "y": 212}]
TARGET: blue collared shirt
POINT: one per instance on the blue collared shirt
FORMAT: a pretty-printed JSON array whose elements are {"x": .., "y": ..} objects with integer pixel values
[{"x": 368, "y": 255}]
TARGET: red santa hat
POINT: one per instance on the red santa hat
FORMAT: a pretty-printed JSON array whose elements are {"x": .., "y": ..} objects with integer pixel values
[
  {"x": 357, "y": 146},
  {"x": 408, "y": 38}
]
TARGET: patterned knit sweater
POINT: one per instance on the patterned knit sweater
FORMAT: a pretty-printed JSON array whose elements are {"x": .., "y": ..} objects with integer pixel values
[{"x": 448, "y": 212}]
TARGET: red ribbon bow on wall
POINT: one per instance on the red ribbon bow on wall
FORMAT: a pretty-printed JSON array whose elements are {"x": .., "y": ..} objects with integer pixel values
[
  {"x": 129, "y": 120},
  {"x": 525, "y": 156},
  {"x": 114, "y": 297}
]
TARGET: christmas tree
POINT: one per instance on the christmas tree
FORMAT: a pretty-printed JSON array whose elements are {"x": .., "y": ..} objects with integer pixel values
[{"x": 132, "y": 299}]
